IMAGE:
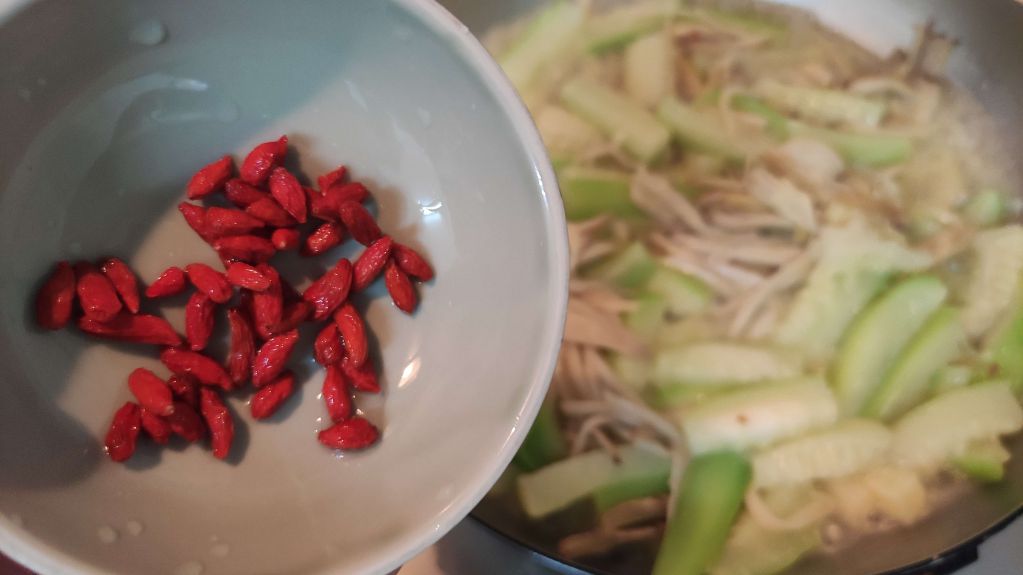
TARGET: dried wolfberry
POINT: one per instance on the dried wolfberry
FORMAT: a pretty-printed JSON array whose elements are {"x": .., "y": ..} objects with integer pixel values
[
  {"x": 199, "y": 316},
  {"x": 204, "y": 369},
  {"x": 400, "y": 287},
  {"x": 185, "y": 388},
  {"x": 269, "y": 398},
  {"x": 218, "y": 420},
  {"x": 171, "y": 282},
  {"x": 413, "y": 264},
  {"x": 243, "y": 194},
  {"x": 245, "y": 276},
  {"x": 268, "y": 305},
  {"x": 285, "y": 239},
  {"x": 195, "y": 216},
  {"x": 186, "y": 423},
  {"x": 123, "y": 432},
  {"x": 327, "y": 292},
  {"x": 151, "y": 391},
  {"x": 251, "y": 249},
  {"x": 209, "y": 281},
  {"x": 288, "y": 192},
  {"x": 326, "y": 203},
  {"x": 55, "y": 299},
  {"x": 156, "y": 427},
  {"x": 272, "y": 357},
  {"x": 293, "y": 314},
  {"x": 328, "y": 235},
  {"x": 210, "y": 178},
  {"x": 363, "y": 378},
  {"x": 96, "y": 294},
  {"x": 330, "y": 178},
  {"x": 354, "y": 433},
  {"x": 336, "y": 395},
  {"x": 124, "y": 281},
  {"x": 269, "y": 211},
  {"x": 262, "y": 159},
  {"x": 359, "y": 222},
  {"x": 371, "y": 262},
  {"x": 353, "y": 333},
  {"x": 243, "y": 346},
  {"x": 327, "y": 348},
  {"x": 223, "y": 222},
  {"x": 132, "y": 328}
]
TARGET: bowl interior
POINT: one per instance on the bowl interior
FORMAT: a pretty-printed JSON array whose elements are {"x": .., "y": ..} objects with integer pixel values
[{"x": 108, "y": 109}]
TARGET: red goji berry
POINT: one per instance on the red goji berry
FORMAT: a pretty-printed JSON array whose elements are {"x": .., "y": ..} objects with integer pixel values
[
  {"x": 272, "y": 357},
  {"x": 124, "y": 281},
  {"x": 156, "y": 427},
  {"x": 186, "y": 423},
  {"x": 262, "y": 159},
  {"x": 243, "y": 346},
  {"x": 363, "y": 378},
  {"x": 171, "y": 282},
  {"x": 223, "y": 222},
  {"x": 210, "y": 178},
  {"x": 268, "y": 305},
  {"x": 132, "y": 328},
  {"x": 359, "y": 222},
  {"x": 354, "y": 433},
  {"x": 96, "y": 294},
  {"x": 55, "y": 299},
  {"x": 245, "y": 276},
  {"x": 323, "y": 238},
  {"x": 195, "y": 216},
  {"x": 151, "y": 392},
  {"x": 123, "y": 432},
  {"x": 293, "y": 314},
  {"x": 269, "y": 398},
  {"x": 288, "y": 192},
  {"x": 327, "y": 292},
  {"x": 413, "y": 264},
  {"x": 210, "y": 282},
  {"x": 371, "y": 262},
  {"x": 326, "y": 205},
  {"x": 199, "y": 316},
  {"x": 243, "y": 194},
  {"x": 400, "y": 287},
  {"x": 251, "y": 249},
  {"x": 327, "y": 348},
  {"x": 269, "y": 211},
  {"x": 218, "y": 420},
  {"x": 336, "y": 395},
  {"x": 353, "y": 333},
  {"x": 185, "y": 388},
  {"x": 285, "y": 239},
  {"x": 330, "y": 178},
  {"x": 204, "y": 369}
]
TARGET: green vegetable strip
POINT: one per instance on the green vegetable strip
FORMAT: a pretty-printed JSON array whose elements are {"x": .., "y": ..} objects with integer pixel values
[
  {"x": 618, "y": 118},
  {"x": 590, "y": 192},
  {"x": 710, "y": 499},
  {"x": 777, "y": 124},
  {"x": 544, "y": 443}
]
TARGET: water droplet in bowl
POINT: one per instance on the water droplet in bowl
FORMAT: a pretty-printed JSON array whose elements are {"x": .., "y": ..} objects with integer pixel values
[
  {"x": 107, "y": 534},
  {"x": 149, "y": 33},
  {"x": 134, "y": 528}
]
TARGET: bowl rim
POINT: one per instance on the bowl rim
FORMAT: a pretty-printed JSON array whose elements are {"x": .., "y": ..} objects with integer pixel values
[{"x": 42, "y": 557}]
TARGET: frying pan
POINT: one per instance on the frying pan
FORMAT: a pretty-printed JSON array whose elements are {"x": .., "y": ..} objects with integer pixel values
[{"x": 987, "y": 65}]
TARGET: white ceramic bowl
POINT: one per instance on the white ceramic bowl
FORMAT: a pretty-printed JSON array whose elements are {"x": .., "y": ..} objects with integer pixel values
[{"x": 107, "y": 108}]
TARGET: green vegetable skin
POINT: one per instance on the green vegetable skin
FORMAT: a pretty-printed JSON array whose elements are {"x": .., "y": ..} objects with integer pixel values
[
  {"x": 618, "y": 117},
  {"x": 867, "y": 150},
  {"x": 551, "y": 33},
  {"x": 544, "y": 443},
  {"x": 1004, "y": 349},
  {"x": 630, "y": 268},
  {"x": 589, "y": 192},
  {"x": 878, "y": 334},
  {"x": 937, "y": 343},
  {"x": 984, "y": 461},
  {"x": 777, "y": 124},
  {"x": 709, "y": 501},
  {"x": 823, "y": 105},
  {"x": 683, "y": 294},
  {"x": 614, "y": 29},
  {"x": 700, "y": 131}
]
